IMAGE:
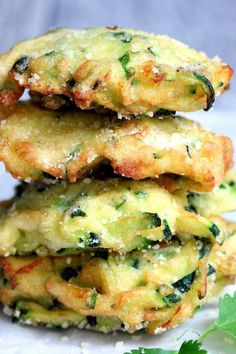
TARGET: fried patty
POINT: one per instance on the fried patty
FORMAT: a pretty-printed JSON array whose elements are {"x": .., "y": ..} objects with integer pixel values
[
  {"x": 156, "y": 289},
  {"x": 67, "y": 144},
  {"x": 120, "y": 69},
  {"x": 223, "y": 257},
  {"x": 222, "y": 199},
  {"x": 116, "y": 214}
]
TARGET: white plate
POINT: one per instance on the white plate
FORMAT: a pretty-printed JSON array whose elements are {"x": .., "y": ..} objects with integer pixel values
[{"x": 16, "y": 339}]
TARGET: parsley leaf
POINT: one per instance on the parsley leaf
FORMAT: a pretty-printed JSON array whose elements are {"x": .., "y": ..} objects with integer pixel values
[
  {"x": 151, "y": 351},
  {"x": 191, "y": 347},
  {"x": 188, "y": 347},
  {"x": 226, "y": 321}
]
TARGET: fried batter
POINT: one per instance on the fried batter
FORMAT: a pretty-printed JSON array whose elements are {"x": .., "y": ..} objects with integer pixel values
[
  {"x": 222, "y": 199},
  {"x": 99, "y": 291},
  {"x": 156, "y": 289},
  {"x": 126, "y": 71},
  {"x": 116, "y": 214},
  {"x": 223, "y": 257},
  {"x": 67, "y": 144}
]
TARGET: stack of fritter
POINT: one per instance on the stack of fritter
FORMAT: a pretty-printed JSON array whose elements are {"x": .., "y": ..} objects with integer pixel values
[{"x": 116, "y": 225}]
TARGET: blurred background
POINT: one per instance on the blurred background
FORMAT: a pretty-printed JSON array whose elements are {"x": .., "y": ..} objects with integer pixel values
[{"x": 208, "y": 25}]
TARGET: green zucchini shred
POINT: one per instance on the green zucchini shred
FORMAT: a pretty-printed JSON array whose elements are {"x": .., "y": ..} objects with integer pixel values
[
  {"x": 125, "y": 37},
  {"x": 124, "y": 60},
  {"x": 76, "y": 211},
  {"x": 214, "y": 230},
  {"x": 171, "y": 299},
  {"x": 208, "y": 88},
  {"x": 166, "y": 231},
  {"x": 91, "y": 301},
  {"x": 183, "y": 285}
]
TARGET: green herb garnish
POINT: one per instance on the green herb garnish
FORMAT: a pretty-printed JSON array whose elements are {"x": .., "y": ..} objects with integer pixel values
[
  {"x": 226, "y": 321},
  {"x": 188, "y": 347}
]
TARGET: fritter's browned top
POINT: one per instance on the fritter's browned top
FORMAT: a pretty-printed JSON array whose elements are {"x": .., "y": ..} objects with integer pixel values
[
  {"x": 67, "y": 144},
  {"x": 120, "y": 69}
]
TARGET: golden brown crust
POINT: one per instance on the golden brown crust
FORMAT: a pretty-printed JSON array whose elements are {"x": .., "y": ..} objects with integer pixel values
[
  {"x": 67, "y": 144},
  {"x": 110, "y": 296},
  {"x": 123, "y": 70},
  {"x": 103, "y": 295}
]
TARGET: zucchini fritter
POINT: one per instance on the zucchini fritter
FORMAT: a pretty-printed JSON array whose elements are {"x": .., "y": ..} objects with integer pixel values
[
  {"x": 99, "y": 290},
  {"x": 67, "y": 144},
  {"x": 156, "y": 289},
  {"x": 120, "y": 69},
  {"x": 116, "y": 214},
  {"x": 223, "y": 257},
  {"x": 222, "y": 199}
]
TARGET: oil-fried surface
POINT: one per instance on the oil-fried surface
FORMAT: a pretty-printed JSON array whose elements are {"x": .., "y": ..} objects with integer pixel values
[
  {"x": 120, "y": 69},
  {"x": 223, "y": 257},
  {"x": 114, "y": 214},
  {"x": 222, "y": 199},
  {"x": 67, "y": 144},
  {"x": 156, "y": 289}
]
